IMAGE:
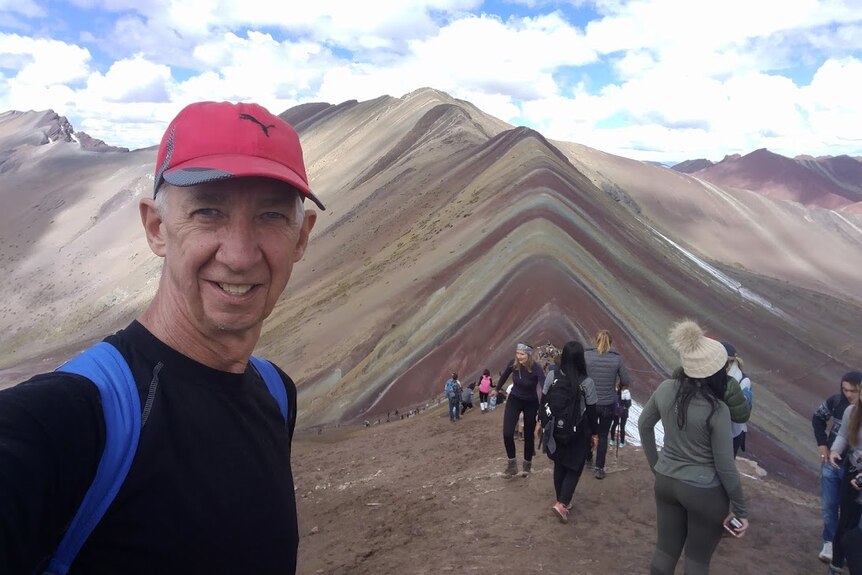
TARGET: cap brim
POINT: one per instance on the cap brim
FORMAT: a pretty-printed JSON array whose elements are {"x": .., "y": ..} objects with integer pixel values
[{"x": 220, "y": 167}]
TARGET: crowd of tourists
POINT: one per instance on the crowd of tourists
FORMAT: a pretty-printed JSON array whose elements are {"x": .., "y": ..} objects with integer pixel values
[{"x": 575, "y": 404}]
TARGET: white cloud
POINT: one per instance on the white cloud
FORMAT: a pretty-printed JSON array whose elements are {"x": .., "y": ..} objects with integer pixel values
[
  {"x": 132, "y": 80},
  {"x": 833, "y": 104},
  {"x": 652, "y": 79},
  {"x": 39, "y": 71}
]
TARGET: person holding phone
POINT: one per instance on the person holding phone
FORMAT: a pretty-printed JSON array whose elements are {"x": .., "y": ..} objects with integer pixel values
[
  {"x": 696, "y": 479},
  {"x": 850, "y": 500}
]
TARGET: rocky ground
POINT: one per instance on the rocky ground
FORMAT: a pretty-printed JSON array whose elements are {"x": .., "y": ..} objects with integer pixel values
[{"x": 424, "y": 495}]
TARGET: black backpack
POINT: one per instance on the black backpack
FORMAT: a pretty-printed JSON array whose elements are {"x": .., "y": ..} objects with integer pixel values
[{"x": 563, "y": 404}]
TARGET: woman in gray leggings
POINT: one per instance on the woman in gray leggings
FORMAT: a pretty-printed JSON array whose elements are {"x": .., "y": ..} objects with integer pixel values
[{"x": 696, "y": 477}]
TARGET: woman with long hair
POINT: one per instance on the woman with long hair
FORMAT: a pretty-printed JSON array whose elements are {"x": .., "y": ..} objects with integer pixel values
[
  {"x": 568, "y": 450},
  {"x": 695, "y": 473},
  {"x": 527, "y": 381},
  {"x": 606, "y": 367},
  {"x": 850, "y": 502}
]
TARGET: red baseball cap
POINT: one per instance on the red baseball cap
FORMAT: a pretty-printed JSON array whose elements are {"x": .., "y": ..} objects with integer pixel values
[{"x": 209, "y": 141}]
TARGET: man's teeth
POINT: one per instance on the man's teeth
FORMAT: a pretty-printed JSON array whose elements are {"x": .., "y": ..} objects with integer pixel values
[{"x": 236, "y": 289}]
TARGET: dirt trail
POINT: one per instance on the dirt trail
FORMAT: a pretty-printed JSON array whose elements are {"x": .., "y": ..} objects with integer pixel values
[{"x": 425, "y": 495}]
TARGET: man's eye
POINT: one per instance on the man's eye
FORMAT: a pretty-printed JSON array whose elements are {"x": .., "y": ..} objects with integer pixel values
[
  {"x": 205, "y": 212},
  {"x": 274, "y": 216}
]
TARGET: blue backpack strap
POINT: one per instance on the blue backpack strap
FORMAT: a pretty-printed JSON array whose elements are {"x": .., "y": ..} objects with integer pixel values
[
  {"x": 273, "y": 382},
  {"x": 121, "y": 406}
]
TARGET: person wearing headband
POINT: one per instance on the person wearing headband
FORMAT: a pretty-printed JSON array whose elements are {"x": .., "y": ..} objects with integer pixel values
[{"x": 527, "y": 381}]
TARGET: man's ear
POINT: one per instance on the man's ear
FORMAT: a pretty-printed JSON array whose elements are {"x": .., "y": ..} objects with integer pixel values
[
  {"x": 302, "y": 242},
  {"x": 153, "y": 227}
]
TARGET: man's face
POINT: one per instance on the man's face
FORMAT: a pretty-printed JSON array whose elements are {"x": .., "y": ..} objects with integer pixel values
[
  {"x": 229, "y": 248},
  {"x": 850, "y": 391}
]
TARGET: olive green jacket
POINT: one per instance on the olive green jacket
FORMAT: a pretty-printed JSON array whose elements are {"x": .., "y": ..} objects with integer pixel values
[{"x": 735, "y": 400}]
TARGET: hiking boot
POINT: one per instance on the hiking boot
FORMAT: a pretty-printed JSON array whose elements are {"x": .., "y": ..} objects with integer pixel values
[
  {"x": 600, "y": 473},
  {"x": 826, "y": 552},
  {"x": 511, "y": 468},
  {"x": 562, "y": 512},
  {"x": 526, "y": 468}
]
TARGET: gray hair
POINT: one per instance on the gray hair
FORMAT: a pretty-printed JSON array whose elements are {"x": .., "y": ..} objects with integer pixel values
[{"x": 161, "y": 199}]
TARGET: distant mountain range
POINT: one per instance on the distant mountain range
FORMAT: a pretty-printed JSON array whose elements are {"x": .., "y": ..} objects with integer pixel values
[
  {"x": 828, "y": 182},
  {"x": 449, "y": 235}
]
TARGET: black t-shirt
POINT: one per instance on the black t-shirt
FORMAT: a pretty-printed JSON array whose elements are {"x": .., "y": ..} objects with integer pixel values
[{"x": 210, "y": 489}]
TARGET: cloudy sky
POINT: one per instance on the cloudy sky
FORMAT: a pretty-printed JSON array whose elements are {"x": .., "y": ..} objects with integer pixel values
[{"x": 659, "y": 80}]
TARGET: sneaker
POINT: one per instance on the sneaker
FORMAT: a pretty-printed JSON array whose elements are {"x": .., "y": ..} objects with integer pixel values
[
  {"x": 612, "y": 443},
  {"x": 569, "y": 506},
  {"x": 833, "y": 570},
  {"x": 826, "y": 552},
  {"x": 511, "y": 468},
  {"x": 622, "y": 443},
  {"x": 562, "y": 512},
  {"x": 600, "y": 473},
  {"x": 526, "y": 468}
]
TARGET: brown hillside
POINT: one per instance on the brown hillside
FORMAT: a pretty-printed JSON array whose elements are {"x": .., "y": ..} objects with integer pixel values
[
  {"x": 778, "y": 177},
  {"x": 424, "y": 495}
]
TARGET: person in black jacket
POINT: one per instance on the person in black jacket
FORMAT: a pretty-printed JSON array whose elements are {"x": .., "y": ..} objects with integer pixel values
[
  {"x": 210, "y": 489},
  {"x": 832, "y": 410},
  {"x": 569, "y": 456},
  {"x": 527, "y": 380}
]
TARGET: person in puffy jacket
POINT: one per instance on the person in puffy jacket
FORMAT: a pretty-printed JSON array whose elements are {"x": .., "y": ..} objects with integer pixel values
[
  {"x": 734, "y": 370},
  {"x": 605, "y": 366}
]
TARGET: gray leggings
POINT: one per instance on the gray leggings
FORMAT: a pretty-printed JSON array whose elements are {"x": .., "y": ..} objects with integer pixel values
[{"x": 686, "y": 517}]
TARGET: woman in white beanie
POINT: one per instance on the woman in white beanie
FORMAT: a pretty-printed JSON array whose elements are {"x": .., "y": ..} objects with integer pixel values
[{"x": 695, "y": 473}]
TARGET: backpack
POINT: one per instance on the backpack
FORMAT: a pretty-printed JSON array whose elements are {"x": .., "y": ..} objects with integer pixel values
[
  {"x": 106, "y": 367},
  {"x": 563, "y": 405},
  {"x": 453, "y": 389},
  {"x": 485, "y": 384}
]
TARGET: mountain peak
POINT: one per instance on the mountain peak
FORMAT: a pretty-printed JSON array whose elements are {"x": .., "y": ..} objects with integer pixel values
[{"x": 38, "y": 128}]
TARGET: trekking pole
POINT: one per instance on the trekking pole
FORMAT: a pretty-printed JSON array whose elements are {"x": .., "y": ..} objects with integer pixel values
[{"x": 617, "y": 444}]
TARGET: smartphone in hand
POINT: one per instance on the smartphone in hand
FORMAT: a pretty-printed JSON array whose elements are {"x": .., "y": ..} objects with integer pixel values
[{"x": 733, "y": 525}]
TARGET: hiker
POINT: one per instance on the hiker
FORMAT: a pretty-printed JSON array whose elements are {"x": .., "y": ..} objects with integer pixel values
[
  {"x": 605, "y": 366},
  {"x": 568, "y": 415},
  {"x": 831, "y": 412},
  {"x": 485, "y": 385},
  {"x": 695, "y": 472},
  {"x": 452, "y": 391},
  {"x": 467, "y": 398},
  {"x": 621, "y": 416},
  {"x": 734, "y": 370},
  {"x": 210, "y": 488},
  {"x": 846, "y": 453},
  {"x": 852, "y": 545},
  {"x": 527, "y": 381}
]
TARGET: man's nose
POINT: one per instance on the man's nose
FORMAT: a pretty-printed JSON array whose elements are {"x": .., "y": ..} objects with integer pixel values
[{"x": 239, "y": 246}]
